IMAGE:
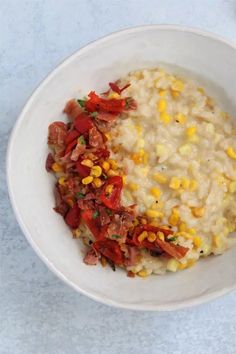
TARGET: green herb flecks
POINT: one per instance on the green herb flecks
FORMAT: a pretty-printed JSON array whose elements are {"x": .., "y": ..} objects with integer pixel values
[
  {"x": 95, "y": 214},
  {"x": 81, "y": 103},
  {"x": 81, "y": 139},
  {"x": 94, "y": 114},
  {"x": 80, "y": 195},
  {"x": 116, "y": 236},
  {"x": 173, "y": 238}
]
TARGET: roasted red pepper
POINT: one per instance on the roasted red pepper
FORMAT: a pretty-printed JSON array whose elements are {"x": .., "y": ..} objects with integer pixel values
[
  {"x": 94, "y": 224},
  {"x": 83, "y": 171},
  {"x": 72, "y": 135},
  {"x": 96, "y": 103},
  {"x": 83, "y": 123},
  {"x": 111, "y": 192},
  {"x": 173, "y": 250},
  {"x": 110, "y": 249},
  {"x": 70, "y": 147},
  {"x": 72, "y": 217}
]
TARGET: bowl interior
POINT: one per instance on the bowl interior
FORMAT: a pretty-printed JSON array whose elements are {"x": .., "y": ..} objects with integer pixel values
[{"x": 212, "y": 62}]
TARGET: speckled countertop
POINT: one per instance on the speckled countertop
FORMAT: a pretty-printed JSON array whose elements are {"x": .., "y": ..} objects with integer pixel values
[{"x": 38, "y": 313}]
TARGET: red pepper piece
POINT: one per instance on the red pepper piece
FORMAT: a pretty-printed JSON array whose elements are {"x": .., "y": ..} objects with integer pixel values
[
  {"x": 96, "y": 103},
  {"x": 83, "y": 123},
  {"x": 70, "y": 147},
  {"x": 102, "y": 153},
  {"x": 114, "y": 87},
  {"x": 112, "y": 199},
  {"x": 110, "y": 249},
  {"x": 72, "y": 217},
  {"x": 94, "y": 224},
  {"x": 84, "y": 171},
  {"x": 72, "y": 135}
]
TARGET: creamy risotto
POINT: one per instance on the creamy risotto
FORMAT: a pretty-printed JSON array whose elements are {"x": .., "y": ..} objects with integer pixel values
[{"x": 178, "y": 151}]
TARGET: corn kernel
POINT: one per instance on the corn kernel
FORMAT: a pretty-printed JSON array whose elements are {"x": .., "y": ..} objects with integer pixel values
[
  {"x": 231, "y": 153},
  {"x": 193, "y": 185},
  {"x": 139, "y": 129},
  {"x": 109, "y": 188},
  {"x": 201, "y": 90},
  {"x": 197, "y": 241},
  {"x": 124, "y": 179},
  {"x": 56, "y": 167},
  {"x": 175, "y": 94},
  {"x": 161, "y": 235},
  {"x": 143, "y": 221},
  {"x": 177, "y": 85},
  {"x": 96, "y": 171},
  {"x": 133, "y": 186},
  {"x": 185, "y": 183},
  {"x": 155, "y": 192},
  {"x": 97, "y": 182},
  {"x": 162, "y": 93},
  {"x": 108, "y": 136},
  {"x": 192, "y": 231},
  {"x": 113, "y": 164},
  {"x": 142, "y": 236},
  {"x": 174, "y": 217},
  {"x": 61, "y": 181},
  {"x": 154, "y": 213},
  {"x": 106, "y": 166},
  {"x": 182, "y": 266},
  {"x": 182, "y": 226},
  {"x": 136, "y": 158},
  {"x": 232, "y": 187},
  {"x": 198, "y": 212},
  {"x": 175, "y": 183},
  {"x": 154, "y": 223},
  {"x": 161, "y": 105},
  {"x": 190, "y": 131},
  {"x": 165, "y": 117},
  {"x": 143, "y": 273},
  {"x": 112, "y": 173},
  {"x": 76, "y": 233},
  {"x": 217, "y": 242},
  {"x": 113, "y": 95},
  {"x": 185, "y": 149},
  {"x": 180, "y": 118},
  {"x": 172, "y": 265},
  {"x": 87, "y": 163},
  {"x": 160, "y": 150},
  {"x": 151, "y": 237},
  {"x": 87, "y": 180},
  {"x": 160, "y": 178},
  {"x": 191, "y": 263}
]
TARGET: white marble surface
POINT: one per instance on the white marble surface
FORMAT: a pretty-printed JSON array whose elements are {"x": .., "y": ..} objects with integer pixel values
[{"x": 38, "y": 313}]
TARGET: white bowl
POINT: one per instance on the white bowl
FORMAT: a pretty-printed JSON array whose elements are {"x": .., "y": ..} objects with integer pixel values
[{"x": 209, "y": 58}]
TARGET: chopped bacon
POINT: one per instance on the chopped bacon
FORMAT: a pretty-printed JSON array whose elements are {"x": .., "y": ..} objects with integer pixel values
[
  {"x": 172, "y": 249},
  {"x": 103, "y": 215},
  {"x": 49, "y": 162},
  {"x": 72, "y": 218},
  {"x": 103, "y": 126},
  {"x": 61, "y": 207},
  {"x": 57, "y": 133},
  {"x": 91, "y": 257},
  {"x": 106, "y": 117},
  {"x": 87, "y": 202},
  {"x": 132, "y": 258},
  {"x": 72, "y": 109},
  {"x": 79, "y": 150},
  {"x": 95, "y": 138}
]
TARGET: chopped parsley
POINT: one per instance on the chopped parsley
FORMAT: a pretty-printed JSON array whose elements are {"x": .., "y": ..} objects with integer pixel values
[
  {"x": 94, "y": 114},
  {"x": 173, "y": 238},
  {"x": 95, "y": 214},
  {"x": 81, "y": 102},
  {"x": 81, "y": 139},
  {"x": 80, "y": 195},
  {"x": 116, "y": 236}
]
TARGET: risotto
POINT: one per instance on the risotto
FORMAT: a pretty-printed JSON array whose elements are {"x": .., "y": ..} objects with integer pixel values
[{"x": 161, "y": 192}]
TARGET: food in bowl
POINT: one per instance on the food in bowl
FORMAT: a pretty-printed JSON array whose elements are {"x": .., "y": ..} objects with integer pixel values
[{"x": 146, "y": 173}]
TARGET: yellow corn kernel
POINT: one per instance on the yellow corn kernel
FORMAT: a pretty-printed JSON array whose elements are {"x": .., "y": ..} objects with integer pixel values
[
  {"x": 139, "y": 129},
  {"x": 87, "y": 180},
  {"x": 61, "y": 181},
  {"x": 161, "y": 105},
  {"x": 113, "y": 95},
  {"x": 154, "y": 213},
  {"x": 193, "y": 185},
  {"x": 182, "y": 226},
  {"x": 124, "y": 179},
  {"x": 185, "y": 183},
  {"x": 190, "y": 131},
  {"x": 160, "y": 178},
  {"x": 165, "y": 117},
  {"x": 177, "y": 85},
  {"x": 160, "y": 150},
  {"x": 201, "y": 90},
  {"x": 185, "y": 149},
  {"x": 76, "y": 233},
  {"x": 108, "y": 136},
  {"x": 109, "y": 188},
  {"x": 184, "y": 234},
  {"x": 180, "y": 118},
  {"x": 97, "y": 182},
  {"x": 190, "y": 263},
  {"x": 142, "y": 236},
  {"x": 151, "y": 237},
  {"x": 154, "y": 223},
  {"x": 162, "y": 93},
  {"x": 136, "y": 158},
  {"x": 87, "y": 163},
  {"x": 106, "y": 166},
  {"x": 155, "y": 192},
  {"x": 182, "y": 266},
  {"x": 145, "y": 158},
  {"x": 133, "y": 186},
  {"x": 175, "y": 183},
  {"x": 56, "y": 167},
  {"x": 232, "y": 187},
  {"x": 172, "y": 265},
  {"x": 96, "y": 171},
  {"x": 174, "y": 217},
  {"x": 192, "y": 231},
  {"x": 143, "y": 221},
  {"x": 231, "y": 152},
  {"x": 198, "y": 212},
  {"x": 113, "y": 164},
  {"x": 112, "y": 173},
  {"x": 175, "y": 93},
  {"x": 217, "y": 242},
  {"x": 143, "y": 273},
  {"x": 161, "y": 235},
  {"x": 197, "y": 241}
]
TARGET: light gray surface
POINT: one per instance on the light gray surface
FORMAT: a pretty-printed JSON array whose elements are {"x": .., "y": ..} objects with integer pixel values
[{"x": 38, "y": 313}]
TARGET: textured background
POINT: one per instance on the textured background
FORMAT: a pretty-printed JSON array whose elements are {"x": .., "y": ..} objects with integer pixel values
[{"x": 38, "y": 313}]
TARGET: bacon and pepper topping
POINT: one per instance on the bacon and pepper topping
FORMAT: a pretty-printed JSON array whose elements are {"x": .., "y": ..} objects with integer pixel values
[{"x": 89, "y": 184}]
